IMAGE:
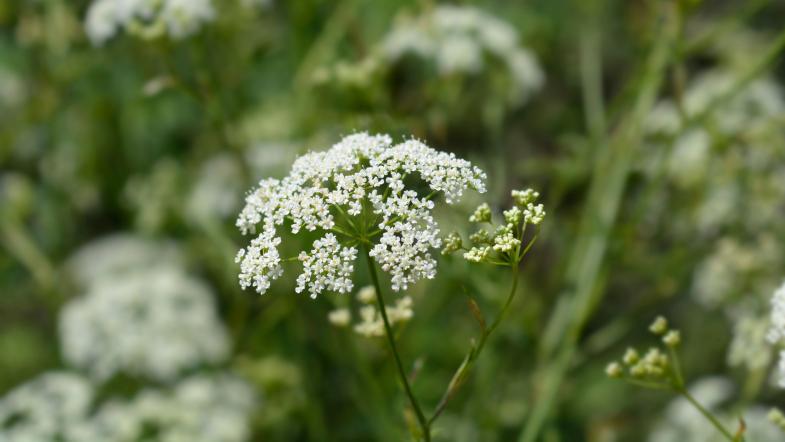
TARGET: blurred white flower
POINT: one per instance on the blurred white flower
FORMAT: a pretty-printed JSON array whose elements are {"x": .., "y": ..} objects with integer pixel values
[
  {"x": 736, "y": 273},
  {"x": 154, "y": 323},
  {"x": 776, "y": 333},
  {"x": 61, "y": 406},
  {"x": 271, "y": 158},
  {"x": 201, "y": 408},
  {"x": 748, "y": 346},
  {"x": 146, "y": 18},
  {"x": 459, "y": 54},
  {"x": 461, "y": 39},
  {"x": 371, "y": 323},
  {"x": 358, "y": 182},
  {"x": 118, "y": 254},
  {"x": 215, "y": 194},
  {"x": 730, "y": 164},
  {"x": 53, "y": 406},
  {"x": 184, "y": 17},
  {"x": 340, "y": 317},
  {"x": 367, "y": 294}
]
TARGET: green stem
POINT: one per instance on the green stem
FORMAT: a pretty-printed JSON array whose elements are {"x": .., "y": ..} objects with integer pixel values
[
  {"x": 707, "y": 414},
  {"x": 391, "y": 340},
  {"x": 474, "y": 352},
  {"x": 591, "y": 81},
  {"x": 20, "y": 245}
]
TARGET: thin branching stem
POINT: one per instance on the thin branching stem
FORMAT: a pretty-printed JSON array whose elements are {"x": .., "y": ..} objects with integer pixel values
[
  {"x": 391, "y": 340},
  {"x": 475, "y": 350}
]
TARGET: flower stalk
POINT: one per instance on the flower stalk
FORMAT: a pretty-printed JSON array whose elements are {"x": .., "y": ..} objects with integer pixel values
[
  {"x": 424, "y": 424},
  {"x": 474, "y": 352}
]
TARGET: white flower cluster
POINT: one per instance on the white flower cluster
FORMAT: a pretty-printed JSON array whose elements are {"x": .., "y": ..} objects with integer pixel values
[
  {"x": 51, "y": 407},
  {"x": 360, "y": 181},
  {"x": 215, "y": 194},
  {"x": 118, "y": 254},
  {"x": 466, "y": 40},
  {"x": 155, "y": 323},
  {"x": 142, "y": 315},
  {"x": 749, "y": 347},
  {"x": 65, "y": 407},
  {"x": 201, "y": 408},
  {"x": 731, "y": 165},
  {"x": 329, "y": 266},
  {"x": 777, "y": 331},
  {"x": 737, "y": 271},
  {"x": 146, "y": 18}
]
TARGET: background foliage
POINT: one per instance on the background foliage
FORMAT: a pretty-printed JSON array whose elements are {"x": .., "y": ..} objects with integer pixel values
[{"x": 161, "y": 138}]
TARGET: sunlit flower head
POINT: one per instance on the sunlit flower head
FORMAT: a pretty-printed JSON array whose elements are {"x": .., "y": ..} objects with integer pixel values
[{"x": 363, "y": 192}]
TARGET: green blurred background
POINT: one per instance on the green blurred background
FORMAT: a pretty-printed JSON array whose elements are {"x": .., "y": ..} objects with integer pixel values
[{"x": 655, "y": 136}]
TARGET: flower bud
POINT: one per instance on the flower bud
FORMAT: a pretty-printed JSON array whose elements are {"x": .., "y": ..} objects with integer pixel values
[
  {"x": 614, "y": 370},
  {"x": 659, "y": 326},
  {"x": 672, "y": 339}
]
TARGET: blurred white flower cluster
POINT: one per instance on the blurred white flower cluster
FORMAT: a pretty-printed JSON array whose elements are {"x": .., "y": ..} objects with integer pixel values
[
  {"x": 154, "y": 324},
  {"x": 61, "y": 406},
  {"x": 776, "y": 333},
  {"x": 724, "y": 165},
  {"x": 143, "y": 316},
  {"x": 200, "y": 408},
  {"x": 465, "y": 40},
  {"x": 215, "y": 194},
  {"x": 146, "y": 18},
  {"x": 356, "y": 190},
  {"x": 682, "y": 422},
  {"x": 50, "y": 407},
  {"x": 732, "y": 162},
  {"x": 371, "y": 323}
]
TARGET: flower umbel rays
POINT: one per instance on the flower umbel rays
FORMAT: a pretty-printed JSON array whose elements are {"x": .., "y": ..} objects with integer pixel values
[{"x": 366, "y": 191}]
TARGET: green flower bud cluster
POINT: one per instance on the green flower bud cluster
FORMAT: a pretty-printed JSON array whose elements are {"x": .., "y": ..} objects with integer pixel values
[
  {"x": 503, "y": 244},
  {"x": 655, "y": 367}
]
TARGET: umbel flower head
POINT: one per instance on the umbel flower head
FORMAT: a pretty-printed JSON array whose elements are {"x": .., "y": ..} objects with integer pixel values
[{"x": 364, "y": 191}]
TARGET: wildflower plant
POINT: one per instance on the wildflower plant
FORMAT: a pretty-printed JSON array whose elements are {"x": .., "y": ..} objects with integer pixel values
[{"x": 367, "y": 196}]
